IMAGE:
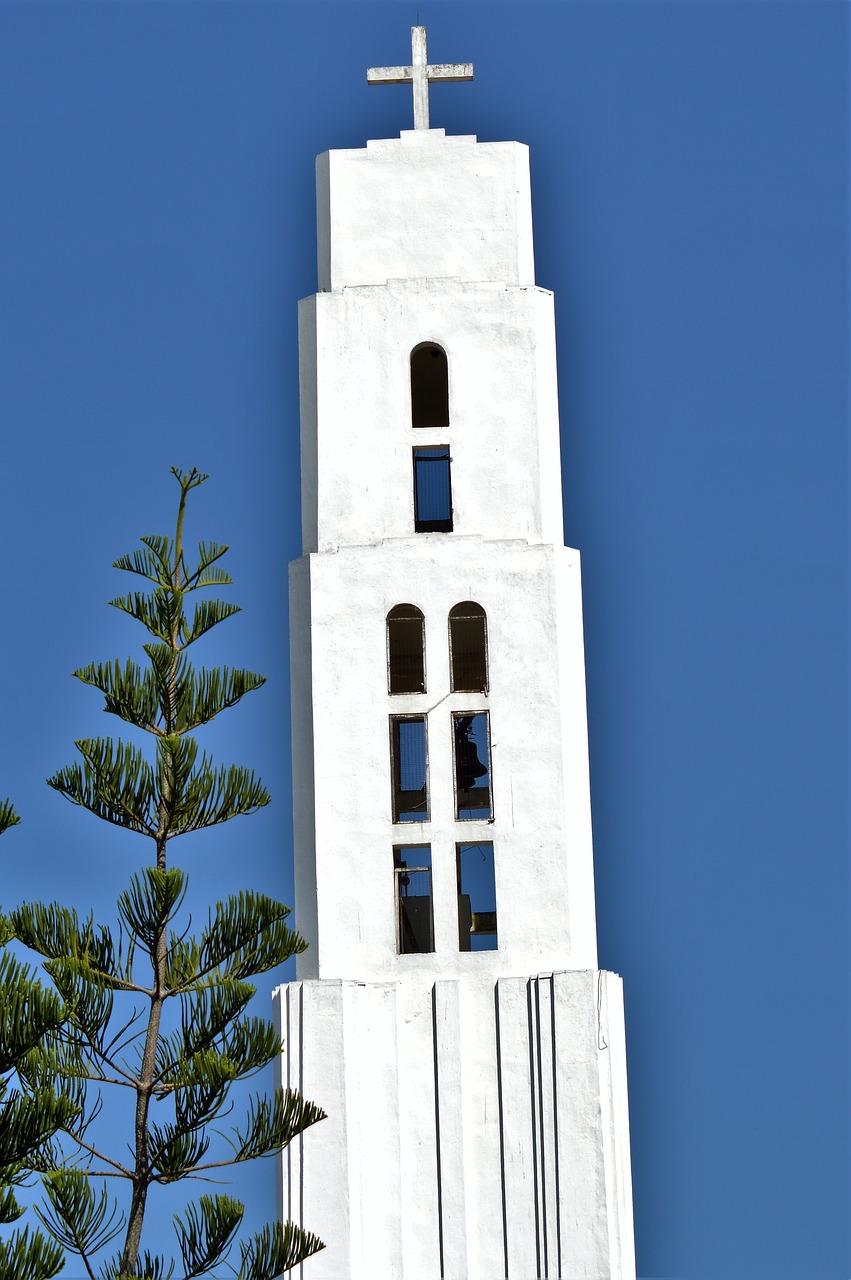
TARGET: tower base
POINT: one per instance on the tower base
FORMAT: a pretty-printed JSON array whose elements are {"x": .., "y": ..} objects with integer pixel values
[{"x": 476, "y": 1130}]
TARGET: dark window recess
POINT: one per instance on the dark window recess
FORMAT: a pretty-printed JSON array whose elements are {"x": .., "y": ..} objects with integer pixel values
[
  {"x": 406, "y": 649},
  {"x": 468, "y": 648},
  {"x": 410, "y": 768},
  {"x": 472, "y": 766},
  {"x": 476, "y": 898},
  {"x": 429, "y": 386},
  {"x": 432, "y": 491},
  {"x": 414, "y": 913}
]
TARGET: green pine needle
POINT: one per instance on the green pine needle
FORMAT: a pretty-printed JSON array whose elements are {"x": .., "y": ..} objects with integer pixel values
[
  {"x": 29, "y": 1257},
  {"x": 151, "y": 900},
  {"x": 189, "y": 1038},
  {"x": 273, "y": 1123},
  {"x": 276, "y": 1249},
  {"x": 8, "y": 817},
  {"x": 75, "y": 1216},
  {"x": 248, "y": 935},
  {"x": 206, "y": 1232},
  {"x": 115, "y": 783}
]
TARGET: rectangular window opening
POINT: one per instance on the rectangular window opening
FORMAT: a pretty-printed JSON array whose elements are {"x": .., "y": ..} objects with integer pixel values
[
  {"x": 476, "y": 898},
  {"x": 471, "y": 738},
  {"x": 410, "y": 768},
  {"x": 432, "y": 491},
  {"x": 414, "y": 912}
]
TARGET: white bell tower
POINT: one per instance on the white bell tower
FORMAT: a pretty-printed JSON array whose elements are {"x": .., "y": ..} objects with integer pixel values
[{"x": 449, "y": 1014}]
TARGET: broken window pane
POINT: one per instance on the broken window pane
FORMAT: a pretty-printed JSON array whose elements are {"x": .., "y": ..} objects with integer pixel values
[
  {"x": 429, "y": 386},
  {"x": 472, "y": 766},
  {"x": 468, "y": 647},
  {"x": 414, "y": 914},
  {"x": 405, "y": 649},
  {"x": 432, "y": 490},
  {"x": 476, "y": 898},
  {"x": 410, "y": 768}
]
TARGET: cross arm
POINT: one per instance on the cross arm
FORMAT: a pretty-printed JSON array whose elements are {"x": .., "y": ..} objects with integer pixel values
[
  {"x": 389, "y": 75},
  {"x": 419, "y": 74},
  {"x": 450, "y": 71}
]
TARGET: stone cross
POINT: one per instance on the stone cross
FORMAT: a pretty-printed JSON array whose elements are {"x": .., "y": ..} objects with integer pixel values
[{"x": 419, "y": 73}]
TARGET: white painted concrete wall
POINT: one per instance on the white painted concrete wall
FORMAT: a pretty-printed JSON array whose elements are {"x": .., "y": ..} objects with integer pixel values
[
  {"x": 356, "y": 410},
  {"x": 477, "y": 1101},
  {"x": 478, "y": 1143},
  {"x": 344, "y": 833},
  {"x": 424, "y": 205}
]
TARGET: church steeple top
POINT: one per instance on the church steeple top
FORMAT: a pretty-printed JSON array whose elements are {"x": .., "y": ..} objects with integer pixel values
[
  {"x": 419, "y": 74},
  {"x": 424, "y": 206},
  {"x": 442, "y": 819}
]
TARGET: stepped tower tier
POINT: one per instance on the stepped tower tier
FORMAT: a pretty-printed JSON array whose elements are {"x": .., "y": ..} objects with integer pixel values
[{"x": 449, "y": 1014}]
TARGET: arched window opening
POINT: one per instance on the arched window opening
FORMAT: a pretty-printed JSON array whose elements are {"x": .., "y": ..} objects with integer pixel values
[
  {"x": 468, "y": 647},
  {"x": 429, "y": 386},
  {"x": 406, "y": 649}
]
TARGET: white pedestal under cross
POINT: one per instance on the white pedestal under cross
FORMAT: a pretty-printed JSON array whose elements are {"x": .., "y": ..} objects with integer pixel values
[{"x": 419, "y": 74}]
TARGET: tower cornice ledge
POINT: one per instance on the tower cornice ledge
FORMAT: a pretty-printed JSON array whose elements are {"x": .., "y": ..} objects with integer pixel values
[{"x": 425, "y": 138}]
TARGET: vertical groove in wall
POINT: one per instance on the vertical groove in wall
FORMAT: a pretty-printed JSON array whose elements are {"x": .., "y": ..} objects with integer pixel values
[
  {"x": 437, "y": 1126},
  {"x": 542, "y": 1138},
  {"x": 533, "y": 1098},
  {"x": 354, "y": 1013},
  {"x": 501, "y": 1125},
  {"x": 557, "y": 1173},
  {"x": 300, "y": 1086},
  {"x": 286, "y": 1083},
  {"x": 295, "y": 1080}
]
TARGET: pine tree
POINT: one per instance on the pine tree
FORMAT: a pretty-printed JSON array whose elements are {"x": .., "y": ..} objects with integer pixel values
[
  {"x": 193, "y": 1038},
  {"x": 28, "y": 1013}
]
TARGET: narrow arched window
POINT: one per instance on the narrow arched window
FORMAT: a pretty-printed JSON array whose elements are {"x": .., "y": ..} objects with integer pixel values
[
  {"x": 468, "y": 647},
  {"x": 429, "y": 386},
  {"x": 406, "y": 649}
]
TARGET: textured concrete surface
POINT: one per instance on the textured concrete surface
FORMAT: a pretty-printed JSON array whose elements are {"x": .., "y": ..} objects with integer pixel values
[{"x": 477, "y": 1100}]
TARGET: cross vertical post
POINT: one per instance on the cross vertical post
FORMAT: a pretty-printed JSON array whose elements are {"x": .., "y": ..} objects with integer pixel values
[{"x": 419, "y": 72}]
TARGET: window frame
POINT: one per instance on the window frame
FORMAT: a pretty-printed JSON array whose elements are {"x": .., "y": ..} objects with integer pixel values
[
  {"x": 394, "y": 720},
  {"x": 485, "y": 686},
  {"x": 398, "y": 849},
  {"x": 416, "y": 400},
  {"x": 445, "y": 525},
  {"x": 494, "y": 933},
  {"x": 484, "y": 816},
  {"x": 388, "y": 619}
]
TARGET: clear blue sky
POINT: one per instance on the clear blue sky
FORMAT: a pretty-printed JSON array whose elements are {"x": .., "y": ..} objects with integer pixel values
[{"x": 689, "y": 185}]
